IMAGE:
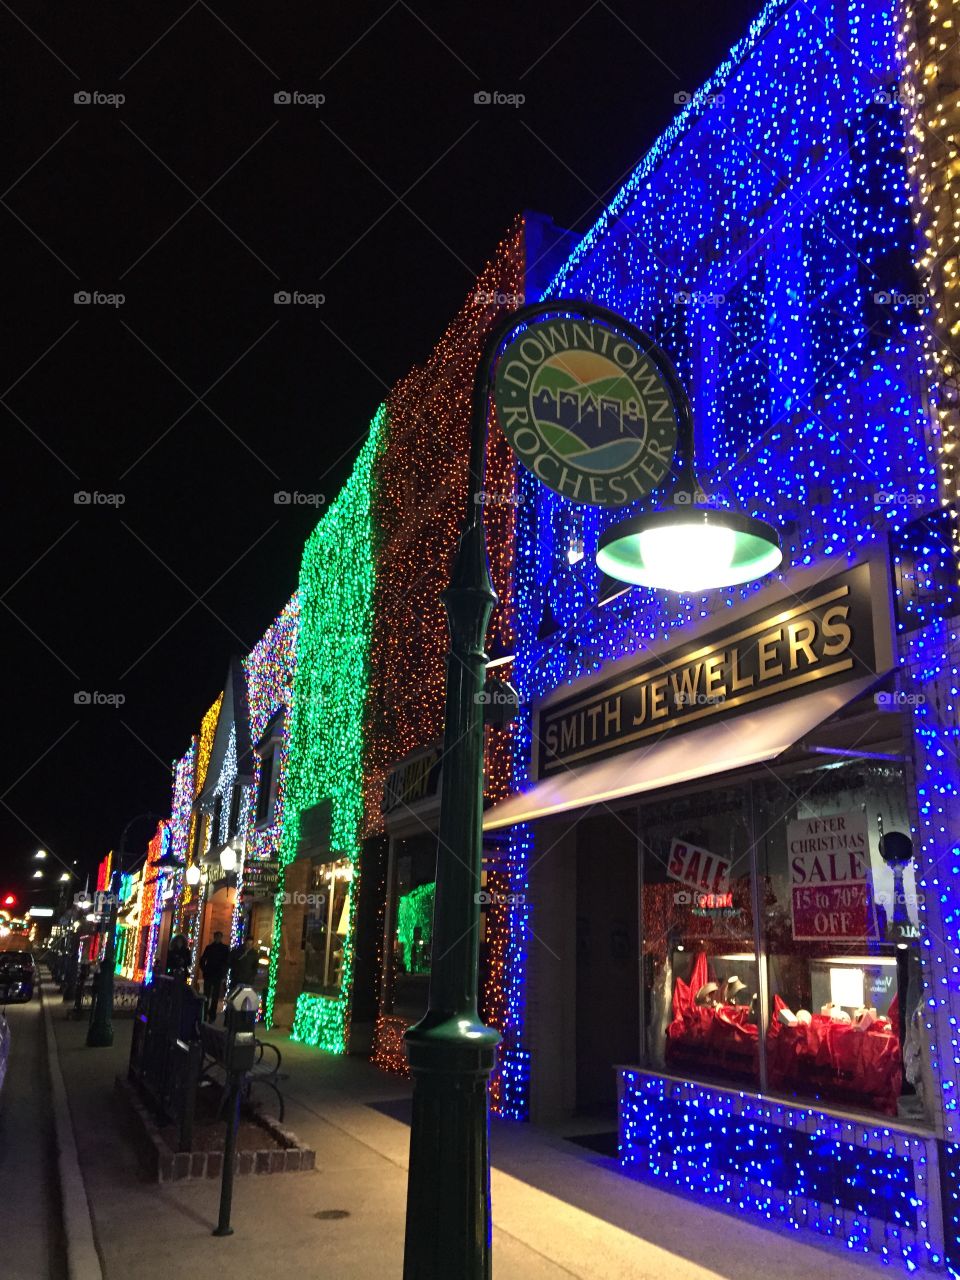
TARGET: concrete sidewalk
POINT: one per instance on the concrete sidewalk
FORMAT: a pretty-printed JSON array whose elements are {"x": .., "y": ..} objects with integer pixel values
[{"x": 558, "y": 1209}]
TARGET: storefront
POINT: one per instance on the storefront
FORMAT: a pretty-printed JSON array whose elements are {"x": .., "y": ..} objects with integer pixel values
[
  {"x": 729, "y": 923},
  {"x": 411, "y": 814}
]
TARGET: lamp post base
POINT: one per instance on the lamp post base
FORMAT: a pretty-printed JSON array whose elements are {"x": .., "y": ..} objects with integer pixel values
[
  {"x": 448, "y": 1193},
  {"x": 100, "y": 1030}
]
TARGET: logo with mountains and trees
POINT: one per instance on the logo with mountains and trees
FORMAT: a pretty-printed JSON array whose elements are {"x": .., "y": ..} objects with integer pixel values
[{"x": 587, "y": 411}]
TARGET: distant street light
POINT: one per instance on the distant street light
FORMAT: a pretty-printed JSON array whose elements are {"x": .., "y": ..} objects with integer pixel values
[
  {"x": 38, "y": 874},
  {"x": 65, "y": 877},
  {"x": 41, "y": 853}
]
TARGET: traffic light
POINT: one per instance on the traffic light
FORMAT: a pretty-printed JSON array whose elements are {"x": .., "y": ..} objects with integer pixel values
[{"x": 10, "y": 900}]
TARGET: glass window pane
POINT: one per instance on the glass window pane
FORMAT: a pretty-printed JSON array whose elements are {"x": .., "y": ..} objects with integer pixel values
[
  {"x": 841, "y": 933},
  {"x": 701, "y": 991}
]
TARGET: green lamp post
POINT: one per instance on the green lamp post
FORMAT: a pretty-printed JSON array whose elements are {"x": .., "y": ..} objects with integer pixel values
[{"x": 618, "y": 446}]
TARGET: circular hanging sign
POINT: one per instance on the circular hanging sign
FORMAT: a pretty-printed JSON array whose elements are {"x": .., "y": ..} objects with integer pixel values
[{"x": 587, "y": 411}]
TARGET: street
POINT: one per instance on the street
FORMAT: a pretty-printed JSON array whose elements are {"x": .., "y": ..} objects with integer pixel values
[{"x": 32, "y": 1236}]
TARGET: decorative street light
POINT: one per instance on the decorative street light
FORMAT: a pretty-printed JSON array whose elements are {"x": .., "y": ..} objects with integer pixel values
[
  {"x": 628, "y": 451},
  {"x": 689, "y": 548}
]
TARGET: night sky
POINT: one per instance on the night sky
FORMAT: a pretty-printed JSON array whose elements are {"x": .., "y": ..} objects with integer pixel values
[{"x": 197, "y": 398}]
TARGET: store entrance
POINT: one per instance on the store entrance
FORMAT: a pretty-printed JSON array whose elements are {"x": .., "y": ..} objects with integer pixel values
[{"x": 607, "y": 984}]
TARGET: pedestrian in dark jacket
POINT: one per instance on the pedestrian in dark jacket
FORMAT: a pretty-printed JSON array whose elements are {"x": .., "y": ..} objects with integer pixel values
[
  {"x": 244, "y": 963},
  {"x": 178, "y": 956},
  {"x": 214, "y": 964}
]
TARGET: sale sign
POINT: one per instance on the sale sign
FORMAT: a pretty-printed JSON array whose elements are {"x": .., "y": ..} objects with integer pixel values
[
  {"x": 829, "y": 861},
  {"x": 699, "y": 869}
]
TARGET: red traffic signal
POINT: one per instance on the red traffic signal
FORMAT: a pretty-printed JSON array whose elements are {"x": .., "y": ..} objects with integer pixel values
[{"x": 10, "y": 900}]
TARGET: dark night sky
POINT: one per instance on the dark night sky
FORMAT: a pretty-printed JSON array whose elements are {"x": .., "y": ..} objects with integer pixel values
[{"x": 198, "y": 198}]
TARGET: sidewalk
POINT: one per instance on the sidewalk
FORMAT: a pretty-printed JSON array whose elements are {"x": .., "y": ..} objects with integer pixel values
[{"x": 559, "y": 1210}]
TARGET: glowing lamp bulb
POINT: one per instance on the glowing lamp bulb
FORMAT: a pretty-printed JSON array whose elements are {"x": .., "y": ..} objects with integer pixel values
[
  {"x": 689, "y": 548},
  {"x": 193, "y": 874},
  {"x": 228, "y": 857},
  {"x": 688, "y": 555}
]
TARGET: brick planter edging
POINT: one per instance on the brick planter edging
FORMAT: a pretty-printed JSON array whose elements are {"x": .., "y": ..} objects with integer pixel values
[{"x": 166, "y": 1165}]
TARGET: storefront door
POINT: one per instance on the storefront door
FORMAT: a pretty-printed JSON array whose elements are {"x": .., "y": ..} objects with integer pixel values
[{"x": 607, "y": 981}]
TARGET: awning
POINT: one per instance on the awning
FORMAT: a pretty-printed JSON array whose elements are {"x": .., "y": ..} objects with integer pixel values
[{"x": 750, "y": 738}]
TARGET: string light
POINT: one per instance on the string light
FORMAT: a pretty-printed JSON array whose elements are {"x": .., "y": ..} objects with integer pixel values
[
  {"x": 269, "y": 669},
  {"x": 931, "y": 67},
  {"x": 325, "y": 751},
  {"x": 420, "y": 496},
  {"x": 189, "y": 892},
  {"x": 419, "y": 499},
  {"x": 789, "y": 1165}
]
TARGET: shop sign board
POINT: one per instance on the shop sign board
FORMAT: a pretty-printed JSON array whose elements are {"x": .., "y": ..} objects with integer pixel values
[
  {"x": 813, "y": 639},
  {"x": 829, "y": 867},
  {"x": 413, "y": 781},
  {"x": 587, "y": 410},
  {"x": 260, "y": 880}
]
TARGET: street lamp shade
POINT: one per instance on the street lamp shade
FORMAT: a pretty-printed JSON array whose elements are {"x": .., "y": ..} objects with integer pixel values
[
  {"x": 228, "y": 857},
  {"x": 41, "y": 853},
  {"x": 689, "y": 548},
  {"x": 193, "y": 874},
  {"x": 38, "y": 874}
]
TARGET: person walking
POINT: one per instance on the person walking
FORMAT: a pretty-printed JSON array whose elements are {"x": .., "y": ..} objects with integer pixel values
[
  {"x": 178, "y": 956},
  {"x": 214, "y": 964}
]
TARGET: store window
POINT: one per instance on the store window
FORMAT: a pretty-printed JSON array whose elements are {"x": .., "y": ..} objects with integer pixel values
[
  {"x": 781, "y": 937},
  {"x": 415, "y": 928},
  {"x": 266, "y": 793},
  {"x": 233, "y": 819},
  {"x": 326, "y": 923},
  {"x": 840, "y": 930},
  {"x": 412, "y": 934},
  {"x": 701, "y": 973}
]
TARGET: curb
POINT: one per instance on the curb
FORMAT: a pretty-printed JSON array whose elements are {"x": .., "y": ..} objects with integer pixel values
[{"x": 83, "y": 1261}]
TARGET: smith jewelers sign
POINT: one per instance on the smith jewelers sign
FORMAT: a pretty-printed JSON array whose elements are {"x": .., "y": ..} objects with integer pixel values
[{"x": 820, "y": 637}]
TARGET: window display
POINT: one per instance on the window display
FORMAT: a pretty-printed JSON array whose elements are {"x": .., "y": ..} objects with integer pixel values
[
  {"x": 700, "y": 968},
  {"x": 840, "y": 927},
  {"x": 411, "y": 934},
  {"x": 780, "y": 935},
  {"x": 415, "y": 928}
]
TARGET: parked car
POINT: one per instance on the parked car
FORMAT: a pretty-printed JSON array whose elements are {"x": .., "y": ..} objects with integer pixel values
[{"x": 18, "y": 977}]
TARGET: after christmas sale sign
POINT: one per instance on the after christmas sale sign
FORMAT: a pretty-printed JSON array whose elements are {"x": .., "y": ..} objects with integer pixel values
[{"x": 829, "y": 867}]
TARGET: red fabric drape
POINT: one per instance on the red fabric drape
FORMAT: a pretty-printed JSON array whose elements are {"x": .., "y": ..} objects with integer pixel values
[
  {"x": 836, "y": 1061},
  {"x": 720, "y": 1035}
]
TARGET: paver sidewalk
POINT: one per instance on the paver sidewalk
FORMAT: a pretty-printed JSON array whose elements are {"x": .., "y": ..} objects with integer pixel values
[{"x": 558, "y": 1210}]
